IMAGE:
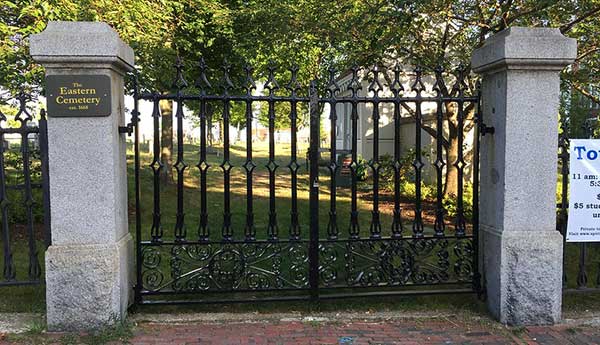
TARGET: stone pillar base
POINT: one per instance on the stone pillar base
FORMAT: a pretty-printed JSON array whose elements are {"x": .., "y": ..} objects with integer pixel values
[
  {"x": 523, "y": 274},
  {"x": 88, "y": 286}
]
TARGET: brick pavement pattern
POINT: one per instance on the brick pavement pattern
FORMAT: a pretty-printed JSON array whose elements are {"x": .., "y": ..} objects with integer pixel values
[{"x": 401, "y": 332}]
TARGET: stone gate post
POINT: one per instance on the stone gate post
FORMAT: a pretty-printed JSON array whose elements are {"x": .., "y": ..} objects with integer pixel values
[
  {"x": 89, "y": 264},
  {"x": 521, "y": 249}
]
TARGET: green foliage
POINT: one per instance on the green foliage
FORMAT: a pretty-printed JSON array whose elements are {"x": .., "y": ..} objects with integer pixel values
[
  {"x": 407, "y": 171},
  {"x": 362, "y": 169},
  {"x": 450, "y": 202},
  {"x": 17, "y": 212},
  {"x": 408, "y": 190},
  {"x": 282, "y": 115}
]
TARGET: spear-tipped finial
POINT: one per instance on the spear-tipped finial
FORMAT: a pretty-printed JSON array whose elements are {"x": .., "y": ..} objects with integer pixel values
[
  {"x": 354, "y": 84},
  {"x": 293, "y": 86},
  {"x": 249, "y": 83},
  {"x": 202, "y": 82},
  {"x": 396, "y": 86},
  {"x": 179, "y": 82},
  {"x": 418, "y": 85},
  {"x": 375, "y": 85},
  {"x": 271, "y": 83}
]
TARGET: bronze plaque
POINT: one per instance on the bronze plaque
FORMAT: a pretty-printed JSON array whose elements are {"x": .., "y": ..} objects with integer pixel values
[{"x": 78, "y": 95}]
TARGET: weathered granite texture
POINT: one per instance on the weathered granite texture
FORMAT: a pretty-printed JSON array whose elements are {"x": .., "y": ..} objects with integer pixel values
[
  {"x": 89, "y": 267},
  {"x": 520, "y": 247}
]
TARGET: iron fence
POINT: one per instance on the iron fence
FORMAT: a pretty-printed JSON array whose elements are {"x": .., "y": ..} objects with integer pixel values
[{"x": 24, "y": 193}]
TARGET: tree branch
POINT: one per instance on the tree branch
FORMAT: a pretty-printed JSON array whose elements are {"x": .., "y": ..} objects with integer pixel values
[
  {"x": 586, "y": 93},
  {"x": 587, "y": 53},
  {"x": 568, "y": 26}
]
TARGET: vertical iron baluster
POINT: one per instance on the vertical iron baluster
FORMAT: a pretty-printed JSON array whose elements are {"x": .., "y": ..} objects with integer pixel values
[
  {"x": 156, "y": 231},
  {"x": 375, "y": 87},
  {"x": 203, "y": 86},
  {"x": 226, "y": 232},
  {"x": 397, "y": 89},
  {"x": 135, "y": 119},
  {"x": 313, "y": 248},
  {"x": 294, "y": 87},
  {"x": 332, "y": 89},
  {"x": 45, "y": 177},
  {"x": 478, "y": 124},
  {"x": 8, "y": 271},
  {"x": 180, "y": 165},
  {"x": 459, "y": 90},
  {"x": 563, "y": 144},
  {"x": 418, "y": 87},
  {"x": 582, "y": 274},
  {"x": 24, "y": 117},
  {"x": 439, "y": 88},
  {"x": 598, "y": 275},
  {"x": 272, "y": 86},
  {"x": 354, "y": 87},
  {"x": 249, "y": 85}
]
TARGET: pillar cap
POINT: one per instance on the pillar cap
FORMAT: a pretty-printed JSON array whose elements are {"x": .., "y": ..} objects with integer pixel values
[
  {"x": 92, "y": 43},
  {"x": 525, "y": 48}
]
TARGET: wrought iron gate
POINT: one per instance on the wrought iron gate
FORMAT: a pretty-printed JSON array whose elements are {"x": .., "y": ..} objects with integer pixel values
[{"x": 219, "y": 237}]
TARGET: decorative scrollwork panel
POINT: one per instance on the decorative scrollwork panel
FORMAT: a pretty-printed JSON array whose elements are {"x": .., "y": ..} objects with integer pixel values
[
  {"x": 390, "y": 262},
  {"x": 256, "y": 266}
]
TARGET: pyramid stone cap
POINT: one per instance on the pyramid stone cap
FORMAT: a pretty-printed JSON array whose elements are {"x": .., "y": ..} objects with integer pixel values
[
  {"x": 80, "y": 43},
  {"x": 525, "y": 48}
]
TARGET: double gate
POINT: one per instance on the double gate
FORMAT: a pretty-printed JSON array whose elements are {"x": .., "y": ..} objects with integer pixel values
[{"x": 246, "y": 221}]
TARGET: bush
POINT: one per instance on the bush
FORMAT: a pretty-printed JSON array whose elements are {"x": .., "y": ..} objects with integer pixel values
[
  {"x": 362, "y": 169},
  {"x": 450, "y": 203},
  {"x": 407, "y": 170},
  {"x": 409, "y": 191}
]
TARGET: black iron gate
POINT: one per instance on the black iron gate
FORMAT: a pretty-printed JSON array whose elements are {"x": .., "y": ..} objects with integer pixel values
[{"x": 247, "y": 222}]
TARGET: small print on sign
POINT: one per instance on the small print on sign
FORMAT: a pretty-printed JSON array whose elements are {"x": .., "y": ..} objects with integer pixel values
[
  {"x": 584, "y": 187},
  {"x": 78, "y": 95}
]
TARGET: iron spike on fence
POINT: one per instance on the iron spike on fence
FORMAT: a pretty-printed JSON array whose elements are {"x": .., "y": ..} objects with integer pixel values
[
  {"x": 271, "y": 83},
  {"x": 354, "y": 85},
  {"x": 439, "y": 87},
  {"x": 23, "y": 114},
  {"x": 375, "y": 85},
  {"x": 226, "y": 82},
  {"x": 179, "y": 82},
  {"x": 293, "y": 86},
  {"x": 249, "y": 83},
  {"x": 332, "y": 86},
  {"x": 418, "y": 85},
  {"x": 396, "y": 85},
  {"x": 202, "y": 82}
]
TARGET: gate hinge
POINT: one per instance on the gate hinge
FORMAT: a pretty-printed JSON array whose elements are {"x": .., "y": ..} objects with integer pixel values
[
  {"x": 126, "y": 129},
  {"x": 483, "y": 129}
]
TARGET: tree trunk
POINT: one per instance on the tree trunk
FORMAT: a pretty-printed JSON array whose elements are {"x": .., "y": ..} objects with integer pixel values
[
  {"x": 238, "y": 136},
  {"x": 451, "y": 187},
  {"x": 166, "y": 140}
]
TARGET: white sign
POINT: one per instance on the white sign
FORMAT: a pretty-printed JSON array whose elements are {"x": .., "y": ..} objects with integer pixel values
[{"x": 584, "y": 188}]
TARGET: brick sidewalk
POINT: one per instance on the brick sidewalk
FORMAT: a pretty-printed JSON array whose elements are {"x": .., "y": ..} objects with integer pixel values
[
  {"x": 401, "y": 332},
  {"x": 405, "y": 332}
]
